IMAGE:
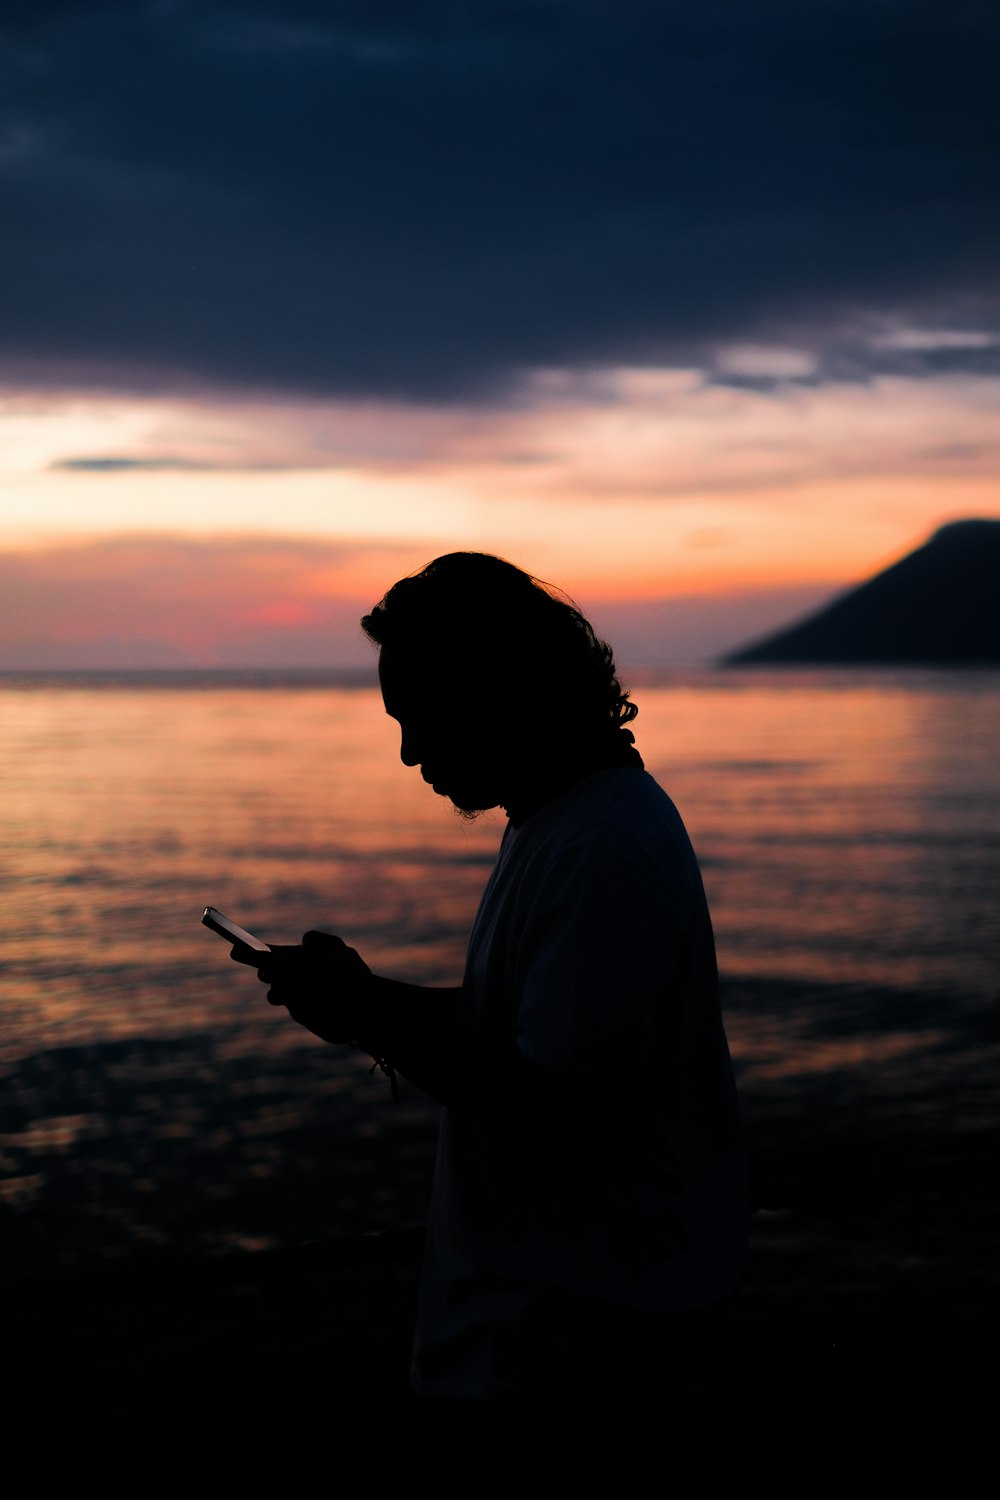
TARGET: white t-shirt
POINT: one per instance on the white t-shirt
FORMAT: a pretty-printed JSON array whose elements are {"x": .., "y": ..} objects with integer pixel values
[{"x": 593, "y": 950}]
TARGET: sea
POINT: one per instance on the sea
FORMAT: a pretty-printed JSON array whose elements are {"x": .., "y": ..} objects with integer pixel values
[{"x": 155, "y": 1109}]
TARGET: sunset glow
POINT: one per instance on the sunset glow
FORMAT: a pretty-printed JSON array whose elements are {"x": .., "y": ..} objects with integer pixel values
[{"x": 202, "y": 529}]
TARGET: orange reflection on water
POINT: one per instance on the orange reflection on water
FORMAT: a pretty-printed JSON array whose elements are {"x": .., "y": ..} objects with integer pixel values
[
  {"x": 848, "y": 832},
  {"x": 846, "y": 825},
  {"x": 831, "y": 1053},
  {"x": 131, "y": 810},
  {"x": 847, "y": 822}
]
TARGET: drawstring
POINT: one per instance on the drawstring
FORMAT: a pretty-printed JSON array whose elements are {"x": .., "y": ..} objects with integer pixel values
[{"x": 390, "y": 1073}]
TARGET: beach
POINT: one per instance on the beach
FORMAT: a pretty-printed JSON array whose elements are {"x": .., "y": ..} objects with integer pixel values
[
  {"x": 857, "y": 1358},
  {"x": 187, "y": 1344}
]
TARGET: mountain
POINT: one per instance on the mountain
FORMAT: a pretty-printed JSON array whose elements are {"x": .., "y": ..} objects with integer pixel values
[{"x": 938, "y": 606}]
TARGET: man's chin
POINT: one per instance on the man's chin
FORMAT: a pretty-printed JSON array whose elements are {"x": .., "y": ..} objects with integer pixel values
[
  {"x": 468, "y": 801},
  {"x": 469, "y": 805}
]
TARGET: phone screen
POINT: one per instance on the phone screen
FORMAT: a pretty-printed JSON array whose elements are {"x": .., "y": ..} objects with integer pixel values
[{"x": 227, "y": 928}]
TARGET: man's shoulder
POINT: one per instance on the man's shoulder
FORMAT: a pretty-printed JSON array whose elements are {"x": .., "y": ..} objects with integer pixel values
[
  {"x": 620, "y": 800},
  {"x": 618, "y": 814}
]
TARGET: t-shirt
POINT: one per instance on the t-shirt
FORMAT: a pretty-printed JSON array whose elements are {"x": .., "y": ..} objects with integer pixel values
[{"x": 592, "y": 949}]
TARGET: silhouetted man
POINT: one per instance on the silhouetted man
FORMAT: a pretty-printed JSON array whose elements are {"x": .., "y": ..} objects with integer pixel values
[{"x": 588, "y": 1212}]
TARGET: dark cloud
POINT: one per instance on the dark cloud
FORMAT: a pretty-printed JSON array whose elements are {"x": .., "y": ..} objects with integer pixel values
[
  {"x": 378, "y": 198},
  {"x": 112, "y": 465},
  {"x": 168, "y": 463}
]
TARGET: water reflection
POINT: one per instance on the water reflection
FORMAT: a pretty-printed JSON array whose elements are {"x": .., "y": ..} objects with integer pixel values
[{"x": 849, "y": 829}]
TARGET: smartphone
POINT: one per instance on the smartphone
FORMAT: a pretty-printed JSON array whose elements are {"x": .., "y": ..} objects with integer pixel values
[{"x": 228, "y": 929}]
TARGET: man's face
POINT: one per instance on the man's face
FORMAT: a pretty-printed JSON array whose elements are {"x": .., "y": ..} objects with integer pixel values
[{"x": 448, "y": 728}]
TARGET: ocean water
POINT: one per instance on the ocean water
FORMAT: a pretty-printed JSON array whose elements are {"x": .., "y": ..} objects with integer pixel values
[{"x": 154, "y": 1106}]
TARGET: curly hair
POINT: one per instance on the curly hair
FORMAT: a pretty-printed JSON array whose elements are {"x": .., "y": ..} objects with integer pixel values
[{"x": 500, "y": 621}]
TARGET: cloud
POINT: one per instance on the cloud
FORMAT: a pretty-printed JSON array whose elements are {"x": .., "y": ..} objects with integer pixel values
[
  {"x": 376, "y": 198},
  {"x": 118, "y": 465},
  {"x": 764, "y": 362},
  {"x": 932, "y": 340}
]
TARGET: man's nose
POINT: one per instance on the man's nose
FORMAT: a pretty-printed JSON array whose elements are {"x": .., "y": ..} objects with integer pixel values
[{"x": 409, "y": 752}]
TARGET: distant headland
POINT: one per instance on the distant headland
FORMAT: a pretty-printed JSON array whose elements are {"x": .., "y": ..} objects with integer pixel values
[{"x": 938, "y": 606}]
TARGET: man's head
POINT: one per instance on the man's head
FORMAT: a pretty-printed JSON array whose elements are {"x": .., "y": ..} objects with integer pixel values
[{"x": 495, "y": 681}]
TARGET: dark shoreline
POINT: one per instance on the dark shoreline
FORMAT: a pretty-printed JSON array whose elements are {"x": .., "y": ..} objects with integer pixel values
[
  {"x": 215, "y": 1279},
  {"x": 853, "y": 1362}
]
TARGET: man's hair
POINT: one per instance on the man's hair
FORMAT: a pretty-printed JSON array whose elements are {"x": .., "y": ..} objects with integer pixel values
[{"x": 499, "y": 622}]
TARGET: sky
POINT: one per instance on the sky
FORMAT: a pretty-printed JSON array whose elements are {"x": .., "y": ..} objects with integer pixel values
[{"x": 692, "y": 311}]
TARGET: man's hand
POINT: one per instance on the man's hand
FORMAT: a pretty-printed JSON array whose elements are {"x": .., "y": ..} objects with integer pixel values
[{"x": 324, "y": 984}]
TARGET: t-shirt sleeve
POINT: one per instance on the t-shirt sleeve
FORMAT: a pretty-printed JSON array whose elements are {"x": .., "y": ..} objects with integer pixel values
[{"x": 601, "y": 942}]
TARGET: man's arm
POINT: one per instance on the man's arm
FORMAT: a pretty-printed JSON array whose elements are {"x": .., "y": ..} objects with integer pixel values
[
  {"x": 509, "y": 1096},
  {"x": 328, "y": 988}
]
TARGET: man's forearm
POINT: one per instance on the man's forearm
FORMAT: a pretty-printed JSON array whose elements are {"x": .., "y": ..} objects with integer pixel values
[
  {"x": 410, "y": 1016},
  {"x": 414, "y": 1030},
  {"x": 412, "y": 1027}
]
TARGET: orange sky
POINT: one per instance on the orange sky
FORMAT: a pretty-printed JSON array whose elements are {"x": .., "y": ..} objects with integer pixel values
[{"x": 165, "y": 531}]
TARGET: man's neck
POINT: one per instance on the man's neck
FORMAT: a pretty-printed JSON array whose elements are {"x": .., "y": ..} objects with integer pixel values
[{"x": 543, "y": 785}]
